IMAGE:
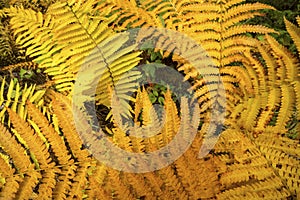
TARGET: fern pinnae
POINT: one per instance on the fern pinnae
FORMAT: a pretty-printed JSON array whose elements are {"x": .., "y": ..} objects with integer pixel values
[
  {"x": 173, "y": 184},
  {"x": 56, "y": 142},
  {"x": 62, "y": 108},
  {"x": 286, "y": 105},
  {"x": 41, "y": 154},
  {"x": 287, "y": 62},
  {"x": 253, "y": 112},
  {"x": 11, "y": 185},
  {"x": 294, "y": 32},
  {"x": 252, "y": 173},
  {"x": 80, "y": 181},
  {"x": 284, "y": 160},
  {"x": 139, "y": 185},
  {"x": 273, "y": 99},
  {"x": 27, "y": 185},
  {"x": 172, "y": 119},
  {"x": 244, "y": 9},
  {"x": 36, "y": 146},
  {"x": 118, "y": 187},
  {"x": 296, "y": 86},
  {"x": 64, "y": 184},
  {"x": 11, "y": 146}
]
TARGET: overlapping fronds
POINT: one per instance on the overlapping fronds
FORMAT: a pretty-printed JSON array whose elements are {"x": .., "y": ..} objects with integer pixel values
[
  {"x": 41, "y": 158},
  {"x": 14, "y": 97},
  {"x": 66, "y": 39},
  {"x": 59, "y": 165},
  {"x": 49, "y": 149},
  {"x": 244, "y": 171}
]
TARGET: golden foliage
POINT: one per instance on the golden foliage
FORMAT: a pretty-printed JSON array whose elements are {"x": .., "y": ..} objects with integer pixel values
[{"x": 44, "y": 155}]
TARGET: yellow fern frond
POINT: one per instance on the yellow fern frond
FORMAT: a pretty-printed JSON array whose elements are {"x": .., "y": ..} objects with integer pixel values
[
  {"x": 294, "y": 32},
  {"x": 62, "y": 107},
  {"x": 57, "y": 144},
  {"x": 296, "y": 85},
  {"x": 253, "y": 171},
  {"x": 287, "y": 62},
  {"x": 15, "y": 98},
  {"x": 11, "y": 146},
  {"x": 264, "y": 118},
  {"x": 9, "y": 183},
  {"x": 287, "y": 102},
  {"x": 283, "y": 154},
  {"x": 34, "y": 142}
]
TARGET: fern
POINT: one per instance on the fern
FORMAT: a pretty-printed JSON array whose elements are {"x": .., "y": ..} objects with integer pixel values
[
  {"x": 49, "y": 150},
  {"x": 62, "y": 42}
]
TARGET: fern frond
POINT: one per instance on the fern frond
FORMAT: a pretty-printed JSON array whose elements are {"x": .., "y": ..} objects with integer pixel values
[
  {"x": 202, "y": 18},
  {"x": 172, "y": 183},
  {"x": 24, "y": 65},
  {"x": 57, "y": 144},
  {"x": 245, "y": 167},
  {"x": 34, "y": 142},
  {"x": 273, "y": 100},
  {"x": 137, "y": 181},
  {"x": 283, "y": 153},
  {"x": 72, "y": 39},
  {"x": 12, "y": 147},
  {"x": 287, "y": 62},
  {"x": 10, "y": 185},
  {"x": 63, "y": 186},
  {"x": 62, "y": 108},
  {"x": 15, "y": 98},
  {"x": 120, "y": 189},
  {"x": 27, "y": 185},
  {"x": 287, "y": 103},
  {"x": 242, "y": 12},
  {"x": 296, "y": 85},
  {"x": 294, "y": 32}
]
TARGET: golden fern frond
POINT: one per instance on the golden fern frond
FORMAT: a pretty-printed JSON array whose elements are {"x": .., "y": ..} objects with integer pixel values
[
  {"x": 273, "y": 101},
  {"x": 148, "y": 13},
  {"x": 22, "y": 163},
  {"x": 97, "y": 180},
  {"x": 32, "y": 140},
  {"x": 73, "y": 39},
  {"x": 9, "y": 183},
  {"x": 222, "y": 19},
  {"x": 246, "y": 171},
  {"x": 171, "y": 125},
  {"x": 10, "y": 53},
  {"x": 24, "y": 65},
  {"x": 294, "y": 32},
  {"x": 288, "y": 64},
  {"x": 286, "y": 106},
  {"x": 12, "y": 147},
  {"x": 296, "y": 85},
  {"x": 251, "y": 113},
  {"x": 140, "y": 186},
  {"x": 121, "y": 190},
  {"x": 57, "y": 144},
  {"x": 14, "y": 97},
  {"x": 283, "y": 154},
  {"x": 62, "y": 108}
]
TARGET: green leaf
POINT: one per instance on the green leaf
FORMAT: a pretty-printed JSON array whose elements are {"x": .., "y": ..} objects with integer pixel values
[
  {"x": 161, "y": 100},
  {"x": 22, "y": 73},
  {"x": 152, "y": 98},
  {"x": 153, "y": 56}
]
